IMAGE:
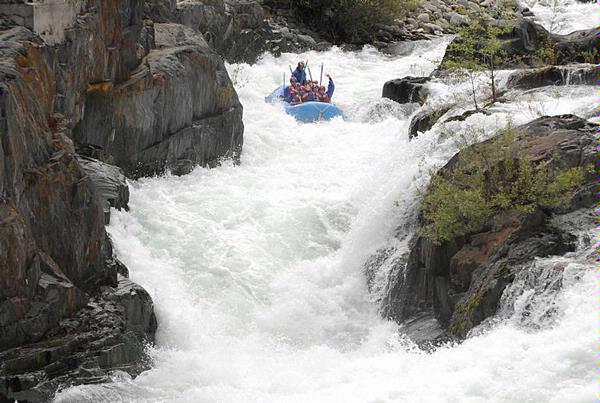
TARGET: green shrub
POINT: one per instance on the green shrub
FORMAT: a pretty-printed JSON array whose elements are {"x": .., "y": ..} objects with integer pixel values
[
  {"x": 346, "y": 21},
  {"x": 478, "y": 48},
  {"x": 547, "y": 53},
  {"x": 490, "y": 178}
]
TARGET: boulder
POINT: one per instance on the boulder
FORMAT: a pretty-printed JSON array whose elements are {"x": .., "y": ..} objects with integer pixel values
[
  {"x": 406, "y": 90},
  {"x": 424, "y": 120},
  {"x": 459, "y": 282},
  {"x": 577, "y": 47}
]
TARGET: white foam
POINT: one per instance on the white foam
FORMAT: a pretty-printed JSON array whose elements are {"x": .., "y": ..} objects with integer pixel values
[{"x": 564, "y": 16}]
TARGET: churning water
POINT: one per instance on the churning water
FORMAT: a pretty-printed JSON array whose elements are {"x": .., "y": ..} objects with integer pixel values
[
  {"x": 565, "y": 16},
  {"x": 256, "y": 270}
]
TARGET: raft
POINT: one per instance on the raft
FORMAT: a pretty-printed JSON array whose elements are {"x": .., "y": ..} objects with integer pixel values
[{"x": 306, "y": 112}]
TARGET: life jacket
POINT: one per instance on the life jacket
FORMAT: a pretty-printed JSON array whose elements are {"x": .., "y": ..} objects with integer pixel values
[
  {"x": 300, "y": 75},
  {"x": 310, "y": 97}
]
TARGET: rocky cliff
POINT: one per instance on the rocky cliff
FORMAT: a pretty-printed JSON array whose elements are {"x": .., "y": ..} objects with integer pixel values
[{"x": 96, "y": 84}]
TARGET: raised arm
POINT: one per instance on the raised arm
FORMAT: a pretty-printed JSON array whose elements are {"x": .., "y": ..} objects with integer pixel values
[{"x": 330, "y": 87}]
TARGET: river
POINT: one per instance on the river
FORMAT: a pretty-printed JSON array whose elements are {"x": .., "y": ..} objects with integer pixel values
[{"x": 257, "y": 273}]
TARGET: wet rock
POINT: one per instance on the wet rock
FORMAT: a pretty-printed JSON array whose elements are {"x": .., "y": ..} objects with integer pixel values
[
  {"x": 424, "y": 120},
  {"x": 460, "y": 282},
  {"x": 406, "y": 90},
  {"x": 553, "y": 75}
]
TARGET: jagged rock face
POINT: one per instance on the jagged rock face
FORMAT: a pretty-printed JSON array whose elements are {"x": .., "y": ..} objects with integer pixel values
[
  {"x": 241, "y": 31},
  {"x": 109, "y": 333},
  {"x": 54, "y": 252},
  {"x": 177, "y": 110},
  {"x": 457, "y": 284}
]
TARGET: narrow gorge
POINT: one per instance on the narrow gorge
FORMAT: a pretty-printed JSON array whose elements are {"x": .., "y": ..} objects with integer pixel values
[{"x": 168, "y": 236}]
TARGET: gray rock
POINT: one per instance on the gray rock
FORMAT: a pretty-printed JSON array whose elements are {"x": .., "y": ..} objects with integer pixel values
[
  {"x": 423, "y": 17},
  {"x": 56, "y": 259},
  {"x": 458, "y": 20},
  {"x": 179, "y": 106},
  {"x": 424, "y": 120},
  {"x": 110, "y": 182},
  {"x": 406, "y": 90},
  {"x": 110, "y": 332}
]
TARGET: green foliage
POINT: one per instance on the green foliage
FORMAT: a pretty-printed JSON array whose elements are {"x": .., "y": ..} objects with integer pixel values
[
  {"x": 590, "y": 56},
  {"x": 454, "y": 210},
  {"x": 547, "y": 53},
  {"x": 349, "y": 21},
  {"x": 478, "y": 48},
  {"x": 489, "y": 178}
]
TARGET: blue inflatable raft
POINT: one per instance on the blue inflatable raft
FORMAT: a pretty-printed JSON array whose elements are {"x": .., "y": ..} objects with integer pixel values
[{"x": 307, "y": 112}]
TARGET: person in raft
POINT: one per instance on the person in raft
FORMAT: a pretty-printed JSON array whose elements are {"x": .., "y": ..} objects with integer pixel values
[
  {"x": 325, "y": 96},
  {"x": 300, "y": 73},
  {"x": 290, "y": 91},
  {"x": 296, "y": 93}
]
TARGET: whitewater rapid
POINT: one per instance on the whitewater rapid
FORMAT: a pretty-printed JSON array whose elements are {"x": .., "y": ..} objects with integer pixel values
[
  {"x": 564, "y": 16},
  {"x": 256, "y": 270}
]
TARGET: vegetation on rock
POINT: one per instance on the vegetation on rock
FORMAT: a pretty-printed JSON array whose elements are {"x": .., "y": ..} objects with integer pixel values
[
  {"x": 489, "y": 178},
  {"x": 478, "y": 48}
]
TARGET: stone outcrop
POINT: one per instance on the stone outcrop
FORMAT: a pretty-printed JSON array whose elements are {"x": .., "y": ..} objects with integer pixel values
[
  {"x": 55, "y": 256},
  {"x": 446, "y": 289},
  {"x": 178, "y": 109},
  {"x": 109, "y": 333},
  {"x": 238, "y": 30},
  {"x": 406, "y": 90},
  {"x": 578, "y": 47},
  {"x": 114, "y": 93}
]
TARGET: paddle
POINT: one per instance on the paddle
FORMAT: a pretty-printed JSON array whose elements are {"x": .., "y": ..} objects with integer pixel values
[{"x": 321, "y": 79}]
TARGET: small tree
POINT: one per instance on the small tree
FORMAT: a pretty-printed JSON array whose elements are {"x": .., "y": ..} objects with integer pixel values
[{"x": 478, "y": 48}]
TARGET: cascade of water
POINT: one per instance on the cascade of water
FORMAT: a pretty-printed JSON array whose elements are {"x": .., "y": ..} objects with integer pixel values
[{"x": 564, "y": 16}]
